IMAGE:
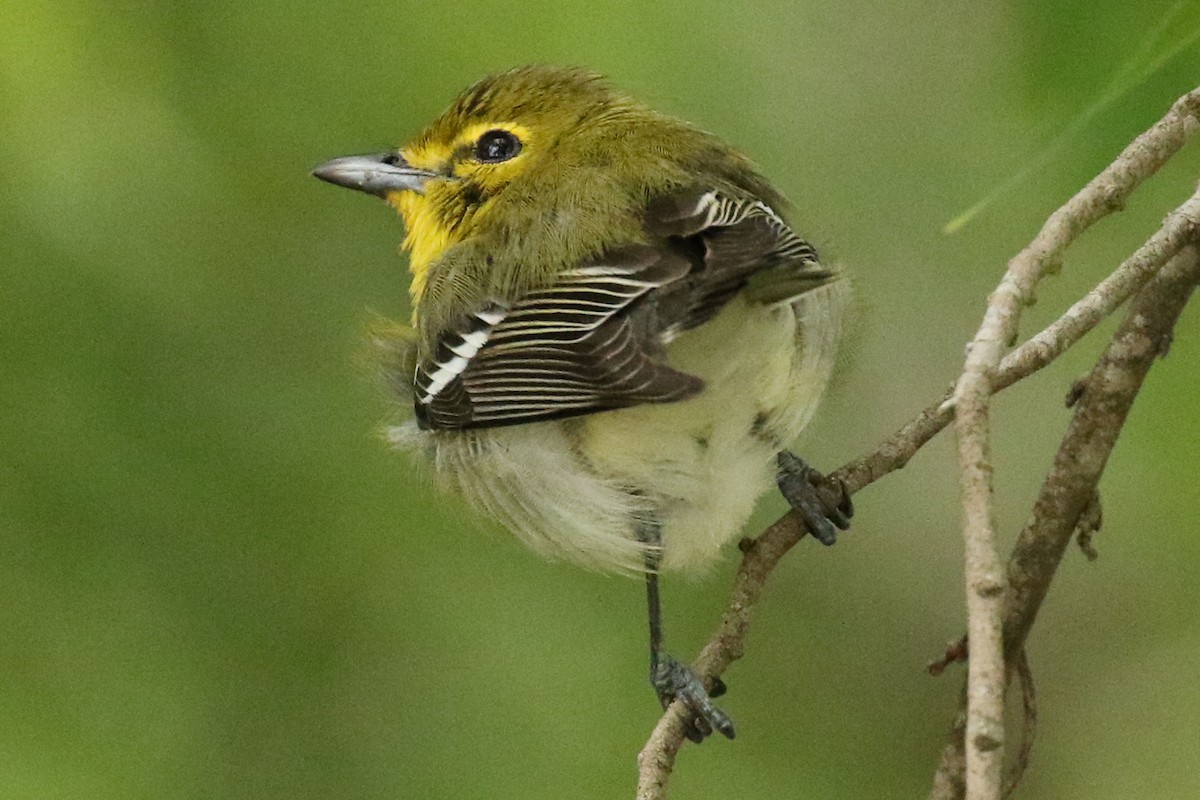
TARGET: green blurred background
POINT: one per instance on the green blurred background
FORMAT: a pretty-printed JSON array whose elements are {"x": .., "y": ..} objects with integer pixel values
[{"x": 216, "y": 582}]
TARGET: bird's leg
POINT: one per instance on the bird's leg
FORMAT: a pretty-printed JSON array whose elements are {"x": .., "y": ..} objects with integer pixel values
[
  {"x": 798, "y": 482},
  {"x": 672, "y": 679}
]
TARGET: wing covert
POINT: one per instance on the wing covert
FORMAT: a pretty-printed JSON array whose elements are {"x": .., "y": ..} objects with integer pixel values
[
  {"x": 593, "y": 340},
  {"x": 569, "y": 349}
]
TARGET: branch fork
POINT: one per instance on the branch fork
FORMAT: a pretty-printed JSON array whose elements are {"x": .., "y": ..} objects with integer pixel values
[{"x": 1002, "y": 601}]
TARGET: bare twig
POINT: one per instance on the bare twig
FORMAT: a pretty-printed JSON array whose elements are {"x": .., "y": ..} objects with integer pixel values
[
  {"x": 1028, "y": 727},
  {"x": 1048, "y": 344},
  {"x": 1177, "y": 229},
  {"x": 1099, "y": 416},
  {"x": 1071, "y": 484},
  {"x": 725, "y": 646},
  {"x": 948, "y": 780},
  {"x": 956, "y": 653},
  {"x": 984, "y": 576},
  {"x": 761, "y": 555}
]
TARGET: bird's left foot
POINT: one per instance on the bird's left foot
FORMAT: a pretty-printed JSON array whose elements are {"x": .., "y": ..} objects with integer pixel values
[
  {"x": 800, "y": 485},
  {"x": 675, "y": 681}
]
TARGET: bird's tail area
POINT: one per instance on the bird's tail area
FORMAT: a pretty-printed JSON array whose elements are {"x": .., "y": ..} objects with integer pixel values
[
  {"x": 788, "y": 282},
  {"x": 823, "y": 313}
]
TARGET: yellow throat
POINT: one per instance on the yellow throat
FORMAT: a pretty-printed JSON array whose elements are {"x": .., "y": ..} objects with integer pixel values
[{"x": 426, "y": 237}]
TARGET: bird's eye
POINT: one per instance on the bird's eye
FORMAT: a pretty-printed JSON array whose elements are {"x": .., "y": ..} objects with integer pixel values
[{"x": 496, "y": 146}]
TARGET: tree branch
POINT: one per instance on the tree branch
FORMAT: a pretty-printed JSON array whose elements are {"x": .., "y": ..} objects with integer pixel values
[
  {"x": 1104, "y": 194},
  {"x": 1029, "y": 729},
  {"x": 1178, "y": 229},
  {"x": 1100, "y": 414},
  {"x": 1070, "y": 487}
]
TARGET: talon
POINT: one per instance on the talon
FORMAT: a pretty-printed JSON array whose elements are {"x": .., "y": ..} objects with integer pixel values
[
  {"x": 846, "y": 504},
  {"x": 798, "y": 483},
  {"x": 840, "y": 514},
  {"x": 701, "y": 728},
  {"x": 675, "y": 681}
]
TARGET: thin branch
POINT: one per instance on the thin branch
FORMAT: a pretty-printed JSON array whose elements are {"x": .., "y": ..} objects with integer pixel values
[
  {"x": 982, "y": 564},
  {"x": 1028, "y": 728},
  {"x": 1177, "y": 229},
  {"x": 984, "y": 577},
  {"x": 1099, "y": 417},
  {"x": 956, "y": 653},
  {"x": 1070, "y": 486},
  {"x": 727, "y": 643},
  {"x": 1106, "y": 193},
  {"x": 948, "y": 778},
  {"x": 761, "y": 555}
]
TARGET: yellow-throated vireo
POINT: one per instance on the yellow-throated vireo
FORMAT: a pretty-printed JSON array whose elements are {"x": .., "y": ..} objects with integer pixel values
[{"x": 615, "y": 333}]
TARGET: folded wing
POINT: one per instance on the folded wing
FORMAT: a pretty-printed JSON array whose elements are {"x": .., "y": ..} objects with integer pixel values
[{"x": 593, "y": 340}]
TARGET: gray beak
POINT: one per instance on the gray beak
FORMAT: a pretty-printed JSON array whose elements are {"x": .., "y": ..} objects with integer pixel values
[{"x": 375, "y": 174}]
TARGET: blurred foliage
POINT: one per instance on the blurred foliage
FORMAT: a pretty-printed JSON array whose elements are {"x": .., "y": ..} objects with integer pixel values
[{"x": 216, "y": 582}]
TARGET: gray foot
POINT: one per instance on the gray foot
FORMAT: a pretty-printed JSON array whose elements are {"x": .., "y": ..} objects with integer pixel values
[
  {"x": 675, "y": 681},
  {"x": 798, "y": 483}
]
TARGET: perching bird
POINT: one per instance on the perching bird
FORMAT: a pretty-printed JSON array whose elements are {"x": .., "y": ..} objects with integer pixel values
[{"x": 615, "y": 333}]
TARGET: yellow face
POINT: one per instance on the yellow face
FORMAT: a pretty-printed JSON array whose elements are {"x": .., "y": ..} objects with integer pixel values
[{"x": 472, "y": 165}]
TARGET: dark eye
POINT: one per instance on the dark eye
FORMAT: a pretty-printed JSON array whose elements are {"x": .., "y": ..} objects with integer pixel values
[{"x": 496, "y": 146}]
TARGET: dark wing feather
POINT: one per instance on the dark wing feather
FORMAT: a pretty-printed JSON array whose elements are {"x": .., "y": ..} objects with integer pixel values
[
  {"x": 593, "y": 340},
  {"x": 742, "y": 244},
  {"x": 567, "y": 350}
]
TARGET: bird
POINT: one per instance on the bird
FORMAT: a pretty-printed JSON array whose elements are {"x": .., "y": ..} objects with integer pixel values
[{"x": 615, "y": 332}]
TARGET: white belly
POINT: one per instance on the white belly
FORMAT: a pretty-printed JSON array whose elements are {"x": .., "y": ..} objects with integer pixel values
[{"x": 576, "y": 489}]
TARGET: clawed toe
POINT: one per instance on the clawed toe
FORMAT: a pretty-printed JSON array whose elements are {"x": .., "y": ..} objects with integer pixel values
[
  {"x": 675, "y": 681},
  {"x": 798, "y": 483}
]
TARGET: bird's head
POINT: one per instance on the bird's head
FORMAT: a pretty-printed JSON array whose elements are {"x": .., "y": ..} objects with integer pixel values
[{"x": 508, "y": 136}]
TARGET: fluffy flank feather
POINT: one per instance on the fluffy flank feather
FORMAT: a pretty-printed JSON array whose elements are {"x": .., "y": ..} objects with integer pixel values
[{"x": 532, "y": 481}]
